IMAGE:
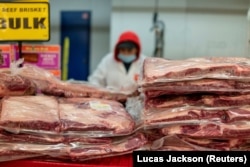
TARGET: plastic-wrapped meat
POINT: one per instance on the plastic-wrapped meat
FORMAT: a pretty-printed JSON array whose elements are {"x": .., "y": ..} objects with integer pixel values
[
  {"x": 219, "y": 144},
  {"x": 245, "y": 146},
  {"x": 24, "y": 150},
  {"x": 124, "y": 145},
  {"x": 162, "y": 70},
  {"x": 86, "y": 140},
  {"x": 195, "y": 114},
  {"x": 211, "y": 130},
  {"x": 216, "y": 86},
  {"x": 36, "y": 138},
  {"x": 50, "y": 85},
  {"x": 16, "y": 155},
  {"x": 153, "y": 134},
  {"x": 6, "y": 136},
  {"x": 15, "y": 85},
  {"x": 30, "y": 112},
  {"x": 7, "y": 153},
  {"x": 89, "y": 114},
  {"x": 83, "y": 90},
  {"x": 184, "y": 143},
  {"x": 175, "y": 143},
  {"x": 198, "y": 100}
]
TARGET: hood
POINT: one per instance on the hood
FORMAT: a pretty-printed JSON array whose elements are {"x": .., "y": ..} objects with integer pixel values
[{"x": 128, "y": 36}]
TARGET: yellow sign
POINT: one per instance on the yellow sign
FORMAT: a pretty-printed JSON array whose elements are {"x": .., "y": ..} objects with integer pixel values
[
  {"x": 31, "y": 0},
  {"x": 24, "y": 21}
]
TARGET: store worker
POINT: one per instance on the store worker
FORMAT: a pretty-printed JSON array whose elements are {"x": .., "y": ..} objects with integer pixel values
[{"x": 120, "y": 69}]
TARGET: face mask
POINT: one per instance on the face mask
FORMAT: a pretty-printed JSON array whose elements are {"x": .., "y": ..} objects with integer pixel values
[{"x": 127, "y": 59}]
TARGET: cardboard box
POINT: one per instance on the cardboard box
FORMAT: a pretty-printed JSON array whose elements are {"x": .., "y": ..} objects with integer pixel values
[
  {"x": 44, "y": 56},
  {"x": 56, "y": 73},
  {"x": 6, "y": 56}
]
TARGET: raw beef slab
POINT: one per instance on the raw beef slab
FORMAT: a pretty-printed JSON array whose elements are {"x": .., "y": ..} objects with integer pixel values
[
  {"x": 15, "y": 85},
  {"x": 122, "y": 146},
  {"x": 50, "y": 85},
  {"x": 175, "y": 143},
  {"x": 194, "y": 114},
  {"x": 90, "y": 114},
  {"x": 184, "y": 143},
  {"x": 160, "y": 69},
  {"x": 30, "y": 112},
  {"x": 72, "y": 90},
  {"x": 211, "y": 130},
  {"x": 216, "y": 86},
  {"x": 6, "y": 136},
  {"x": 226, "y": 144},
  {"x": 208, "y": 100}
]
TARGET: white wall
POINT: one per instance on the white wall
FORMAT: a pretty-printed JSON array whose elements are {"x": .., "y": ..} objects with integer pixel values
[
  {"x": 193, "y": 27},
  {"x": 100, "y": 28}
]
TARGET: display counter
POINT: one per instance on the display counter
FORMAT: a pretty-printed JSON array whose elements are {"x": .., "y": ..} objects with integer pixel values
[{"x": 117, "y": 161}]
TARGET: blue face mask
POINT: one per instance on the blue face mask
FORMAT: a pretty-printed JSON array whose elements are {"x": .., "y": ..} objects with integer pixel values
[{"x": 127, "y": 59}]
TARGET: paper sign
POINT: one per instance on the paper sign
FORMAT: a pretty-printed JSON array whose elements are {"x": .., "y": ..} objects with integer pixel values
[{"x": 24, "y": 21}]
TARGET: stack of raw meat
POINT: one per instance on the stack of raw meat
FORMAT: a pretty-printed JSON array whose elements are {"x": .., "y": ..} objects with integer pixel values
[
  {"x": 48, "y": 84},
  {"x": 197, "y": 103},
  {"x": 42, "y": 116}
]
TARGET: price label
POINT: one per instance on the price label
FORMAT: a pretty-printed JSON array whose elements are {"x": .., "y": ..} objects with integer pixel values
[{"x": 100, "y": 106}]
